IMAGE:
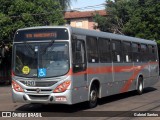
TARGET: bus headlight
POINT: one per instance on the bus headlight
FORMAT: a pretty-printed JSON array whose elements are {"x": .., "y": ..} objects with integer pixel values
[
  {"x": 62, "y": 87},
  {"x": 17, "y": 87}
]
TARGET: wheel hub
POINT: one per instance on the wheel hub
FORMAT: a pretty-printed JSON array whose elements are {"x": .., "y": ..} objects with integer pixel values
[
  {"x": 93, "y": 96},
  {"x": 140, "y": 87}
]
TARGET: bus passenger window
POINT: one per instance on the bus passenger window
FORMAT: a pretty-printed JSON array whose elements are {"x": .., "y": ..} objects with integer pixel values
[
  {"x": 78, "y": 49},
  {"x": 127, "y": 52},
  {"x": 144, "y": 52},
  {"x": 116, "y": 51},
  {"x": 136, "y": 48},
  {"x": 104, "y": 50},
  {"x": 92, "y": 49},
  {"x": 153, "y": 53}
]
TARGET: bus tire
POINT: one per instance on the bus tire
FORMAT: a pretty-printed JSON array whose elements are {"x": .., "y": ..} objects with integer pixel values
[
  {"x": 93, "y": 97},
  {"x": 140, "y": 86}
]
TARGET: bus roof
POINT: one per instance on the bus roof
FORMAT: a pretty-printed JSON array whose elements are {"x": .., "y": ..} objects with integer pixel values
[
  {"x": 41, "y": 27},
  {"x": 95, "y": 33},
  {"x": 110, "y": 36}
]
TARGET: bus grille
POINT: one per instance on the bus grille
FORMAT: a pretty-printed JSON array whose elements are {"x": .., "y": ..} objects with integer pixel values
[
  {"x": 39, "y": 97},
  {"x": 42, "y": 90},
  {"x": 41, "y": 84}
]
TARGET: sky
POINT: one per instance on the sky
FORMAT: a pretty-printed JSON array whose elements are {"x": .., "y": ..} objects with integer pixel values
[{"x": 84, "y": 3}]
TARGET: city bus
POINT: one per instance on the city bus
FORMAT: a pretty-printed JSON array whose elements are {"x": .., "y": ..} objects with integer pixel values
[{"x": 67, "y": 65}]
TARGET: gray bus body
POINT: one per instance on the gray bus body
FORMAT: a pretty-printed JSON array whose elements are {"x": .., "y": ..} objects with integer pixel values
[{"x": 99, "y": 64}]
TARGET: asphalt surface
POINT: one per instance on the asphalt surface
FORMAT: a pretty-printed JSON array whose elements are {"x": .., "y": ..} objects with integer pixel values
[{"x": 126, "y": 106}]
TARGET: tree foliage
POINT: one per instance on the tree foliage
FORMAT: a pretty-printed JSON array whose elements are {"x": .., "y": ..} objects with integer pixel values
[
  {"x": 15, "y": 14},
  {"x": 65, "y": 3},
  {"x": 137, "y": 18}
]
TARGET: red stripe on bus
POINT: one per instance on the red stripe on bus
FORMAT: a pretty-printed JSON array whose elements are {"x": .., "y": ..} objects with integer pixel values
[
  {"x": 116, "y": 69},
  {"x": 137, "y": 70},
  {"x": 123, "y": 68},
  {"x": 126, "y": 87},
  {"x": 102, "y": 70}
]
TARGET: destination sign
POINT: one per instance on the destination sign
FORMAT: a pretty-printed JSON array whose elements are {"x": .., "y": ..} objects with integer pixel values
[{"x": 41, "y": 35}]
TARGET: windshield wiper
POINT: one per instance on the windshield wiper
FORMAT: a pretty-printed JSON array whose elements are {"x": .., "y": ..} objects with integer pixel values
[{"x": 49, "y": 45}]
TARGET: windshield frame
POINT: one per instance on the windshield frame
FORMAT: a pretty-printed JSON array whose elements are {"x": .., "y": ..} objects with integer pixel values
[{"x": 48, "y": 42}]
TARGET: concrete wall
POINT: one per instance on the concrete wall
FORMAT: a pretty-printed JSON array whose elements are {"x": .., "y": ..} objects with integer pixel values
[{"x": 86, "y": 23}]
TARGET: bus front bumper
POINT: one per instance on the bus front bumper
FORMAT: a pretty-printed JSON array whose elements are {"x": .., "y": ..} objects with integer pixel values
[{"x": 46, "y": 98}]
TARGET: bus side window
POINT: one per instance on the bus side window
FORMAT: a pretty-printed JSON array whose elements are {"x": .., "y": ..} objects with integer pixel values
[
  {"x": 79, "y": 59},
  {"x": 116, "y": 51},
  {"x": 156, "y": 53},
  {"x": 127, "y": 51},
  {"x": 104, "y": 50},
  {"x": 92, "y": 50},
  {"x": 153, "y": 53},
  {"x": 136, "y": 48},
  {"x": 144, "y": 52}
]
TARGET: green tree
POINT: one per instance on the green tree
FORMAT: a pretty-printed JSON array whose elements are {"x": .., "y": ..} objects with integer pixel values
[
  {"x": 145, "y": 20},
  {"x": 66, "y": 3},
  {"x": 117, "y": 16},
  {"x": 137, "y": 18},
  {"x": 17, "y": 14}
]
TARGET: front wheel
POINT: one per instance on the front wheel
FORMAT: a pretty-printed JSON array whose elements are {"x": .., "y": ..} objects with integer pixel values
[
  {"x": 93, "y": 97},
  {"x": 140, "y": 86}
]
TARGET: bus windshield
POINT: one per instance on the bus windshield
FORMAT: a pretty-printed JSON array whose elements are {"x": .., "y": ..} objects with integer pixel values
[{"x": 41, "y": 59}]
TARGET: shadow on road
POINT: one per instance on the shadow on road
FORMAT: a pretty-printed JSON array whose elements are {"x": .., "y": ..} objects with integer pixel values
[
  {"x": 123, "y": 96},
  {"x": 59, "y": 108},
  {"x": 52, "y": 108}
]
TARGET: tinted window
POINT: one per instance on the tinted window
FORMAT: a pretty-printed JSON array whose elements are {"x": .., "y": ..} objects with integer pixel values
[
  {"x": 152, "y": 53},
  {"x": 144, "y": 52},
  {"x": 116, "y": 51},
  {"x": 92, "y": 50},
  {"x": 127, "y": 51},
  {"x": 104, "y": 50},
  {"x": 136, "y": 48},
  {"x": 79, "y": 56}
]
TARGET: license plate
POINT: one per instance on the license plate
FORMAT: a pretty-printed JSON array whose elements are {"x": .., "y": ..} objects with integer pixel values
[{"x": 30, "y": 83}]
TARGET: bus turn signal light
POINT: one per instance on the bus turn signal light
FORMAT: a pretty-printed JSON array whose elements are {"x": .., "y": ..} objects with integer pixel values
[
  {"x": 17, "y": 87},
  {"x": 62, "y": 87}
]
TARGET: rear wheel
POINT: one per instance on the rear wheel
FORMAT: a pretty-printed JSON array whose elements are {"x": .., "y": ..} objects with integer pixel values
[
  {"x": 140, "y": 86},
  {"x": 93, "y": 97}
]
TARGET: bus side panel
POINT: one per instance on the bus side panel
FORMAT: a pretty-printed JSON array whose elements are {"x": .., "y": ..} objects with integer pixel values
[
  {"x": 79, "y": 87},
  {"x": 154, "y": 69},
  {"x": 79, "y": 78},
  {"x": 123, "y": 74},
  {"x": 103, "y": 73},
  {"x": 153, "y": 74},
  {"x": 143, "y": 70}
]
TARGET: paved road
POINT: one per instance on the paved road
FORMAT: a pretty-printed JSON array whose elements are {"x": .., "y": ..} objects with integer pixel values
[{"x": 124, "y": 103}]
